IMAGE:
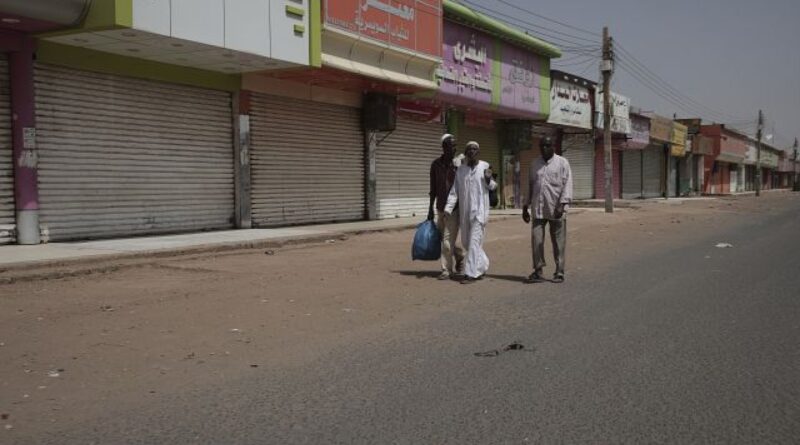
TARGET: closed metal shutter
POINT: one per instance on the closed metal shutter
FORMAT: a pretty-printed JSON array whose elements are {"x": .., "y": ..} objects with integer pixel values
[
  {"x": 307, "y": 162},
  {"x": 631, "y": 174},
  {"x": 403, "y": 164},
  {"x": 672, "y": 182},
  {"x": 653, "y": 161},
  {"x": 7, "y": 218},
  {"x": 121, "y": 156},
  {"x": 734, "y": 178},
  {"x": 580, "y": 155}
]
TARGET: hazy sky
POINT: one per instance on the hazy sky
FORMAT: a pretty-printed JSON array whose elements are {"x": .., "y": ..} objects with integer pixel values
[{"x": 734, "y": 56}]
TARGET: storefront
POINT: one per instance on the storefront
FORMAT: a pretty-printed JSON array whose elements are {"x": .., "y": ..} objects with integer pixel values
[
  {"x": 356, "y": 150},
  {"x": 769, "y": 162},
  {"x": 571, "y": 100},
  {"x": 621, "y": 131},
  {"x": 493, "y": 77},
  {"x": 122, "y": 156},
  {"x": 137, "y": 109},
  {"x": 632, "y": 157},
  {"x": 403, "y": 165},
  {"x": 579, "y": 150},
  {"x": 655, "y": 155},
  {"x": 749, "y": 164},
  {"x": 723, "y": 167},
  {"x": 307, "y": 161},
  {"x": 7, "y": 214},
  {"x": 677, "y": 155}
]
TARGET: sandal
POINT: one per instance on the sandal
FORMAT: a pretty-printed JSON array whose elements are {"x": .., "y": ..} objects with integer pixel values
[{"x": 534, "y": 278}]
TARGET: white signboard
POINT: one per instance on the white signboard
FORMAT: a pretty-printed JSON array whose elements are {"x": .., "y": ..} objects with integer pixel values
[
  {"x": 570, "y": 105},
  {"x": 620, "y": 112}
]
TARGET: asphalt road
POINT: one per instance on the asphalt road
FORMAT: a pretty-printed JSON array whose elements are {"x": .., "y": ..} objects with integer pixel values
[{"x": 691, "y": 344}]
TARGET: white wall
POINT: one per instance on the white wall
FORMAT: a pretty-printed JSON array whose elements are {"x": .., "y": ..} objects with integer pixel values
[{"x": 260, "y": 27}]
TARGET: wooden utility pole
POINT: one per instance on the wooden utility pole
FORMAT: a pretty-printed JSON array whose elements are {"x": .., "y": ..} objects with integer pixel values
[
  {"x": 758, "y": 152},
  {"x": 607, "y": 68},
  {"x": 795, "y": 183}
]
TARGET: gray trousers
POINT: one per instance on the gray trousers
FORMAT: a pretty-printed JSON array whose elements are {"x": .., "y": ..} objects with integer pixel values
[{"x": 558, "y": 235}]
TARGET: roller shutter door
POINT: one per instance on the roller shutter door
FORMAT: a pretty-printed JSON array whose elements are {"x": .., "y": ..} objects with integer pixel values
[
  {"x": 734, "y": 178},
  {"x": 7, "y": 219},
  {"x": 307, "y": 162},
  {"x": 653, "y": 161},
  {"x": 631, "y": 174},
  {"x": 672, "y": 182},
  {"x": 580, "y": 155},
  {"x": 121, "y": 156},
  {"x": 403, "y": 165}
]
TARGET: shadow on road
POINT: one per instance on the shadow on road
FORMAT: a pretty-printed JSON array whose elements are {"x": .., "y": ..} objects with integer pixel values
[
  {"x": 419, "y": 274},
  {"x": 513, "y": 278}
]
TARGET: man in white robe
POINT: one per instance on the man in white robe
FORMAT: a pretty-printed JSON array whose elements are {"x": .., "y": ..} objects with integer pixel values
[{"x": 471, "y": 192}]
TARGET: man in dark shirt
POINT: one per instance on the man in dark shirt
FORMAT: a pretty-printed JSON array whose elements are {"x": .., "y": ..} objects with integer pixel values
[{"x": 443, "y": 174}]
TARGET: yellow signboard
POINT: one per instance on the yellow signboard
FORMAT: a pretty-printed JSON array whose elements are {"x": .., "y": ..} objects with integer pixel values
[{"x": 678, "y": 139}]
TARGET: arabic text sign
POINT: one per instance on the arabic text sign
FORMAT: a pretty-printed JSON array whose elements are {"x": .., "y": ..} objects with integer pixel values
[
  {"x": 414, "y": 25},
  {"x": 466, "y": 70},
  {"x": 477, "y": 69},
  {"x": 620, "y": 112},
  {"x": 640, "y": 133},
  {"x": 520, "y": 80},
  {"x": 570, "y": 105},
  {"x": 678, "y": 139},
  {"x": 660, "y": 128}
]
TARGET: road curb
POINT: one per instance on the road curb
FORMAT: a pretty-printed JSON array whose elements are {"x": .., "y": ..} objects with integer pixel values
[{"x": 105, "y": 263}]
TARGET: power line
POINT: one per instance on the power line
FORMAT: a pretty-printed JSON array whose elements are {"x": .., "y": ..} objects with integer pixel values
[
  {"x": 566, "y": 44},
  {"x": 519, "y": 8},
  {"x": 658, "y": 90},
  {"x": 658, "y": 79}
]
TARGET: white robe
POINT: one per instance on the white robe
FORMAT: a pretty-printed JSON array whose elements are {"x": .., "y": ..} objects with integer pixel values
[{"x": 471, "y": 192}]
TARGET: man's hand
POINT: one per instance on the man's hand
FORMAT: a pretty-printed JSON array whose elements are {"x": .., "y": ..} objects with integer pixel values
[
  {"x": 430, "y": 214},
  {"x": 558, "y": 213},
  {"x": 525, "y": 215}
]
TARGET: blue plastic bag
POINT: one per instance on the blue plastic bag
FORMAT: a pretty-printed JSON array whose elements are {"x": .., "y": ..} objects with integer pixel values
[{"x": 427, "y": 242}]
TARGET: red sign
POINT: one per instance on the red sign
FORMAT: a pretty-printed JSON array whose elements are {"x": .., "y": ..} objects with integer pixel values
[{"x": 414, "y": 25}]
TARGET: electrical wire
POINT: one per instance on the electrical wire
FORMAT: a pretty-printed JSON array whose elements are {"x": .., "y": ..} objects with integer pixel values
[
  {"x": 565, "y": 44},
  {"x": 625, "y": 54},
  {"x": 519, "y": 8}
]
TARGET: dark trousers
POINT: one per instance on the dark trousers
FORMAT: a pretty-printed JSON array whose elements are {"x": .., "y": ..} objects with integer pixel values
[{"x": 558, "y": 235}]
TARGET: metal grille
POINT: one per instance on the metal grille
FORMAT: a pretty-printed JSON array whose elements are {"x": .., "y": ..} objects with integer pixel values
[
  {"x": 307, "y": 162},
  {"x": 7, "y": 219},
  {"x": 580, "y": 155},
  {"x": 121, "y": 156},
  {"x": 653, "y": 171},
  {"x": 403, "y": 168},
  {"x": 631, "y": 174}
]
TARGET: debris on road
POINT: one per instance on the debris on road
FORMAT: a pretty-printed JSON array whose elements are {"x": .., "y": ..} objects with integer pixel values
[
  {"x": 107, "y": 308},
  {"x": 54, "y": 373},
  {"x": 515, "y": 346},
  {"x": 724, "y": 245},
  {"x": 269, "y": 252}
]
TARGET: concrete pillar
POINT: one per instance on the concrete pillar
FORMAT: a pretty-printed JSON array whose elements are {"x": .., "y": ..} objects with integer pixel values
[
  {"x": 25, "y": 155},
  {"x": 241, "y": 160},
  {"x": 370, "y": 175}
]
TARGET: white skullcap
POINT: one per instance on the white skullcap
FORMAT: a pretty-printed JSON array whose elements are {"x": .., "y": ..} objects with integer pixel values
[
  {"x": 474, "y": 143},
  {"x": 447, "y": 136}
]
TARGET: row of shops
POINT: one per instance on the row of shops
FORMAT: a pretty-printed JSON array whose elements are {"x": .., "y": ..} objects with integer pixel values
[{"x": 138, "y": 117}]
